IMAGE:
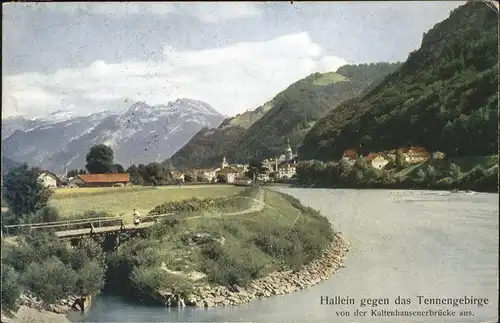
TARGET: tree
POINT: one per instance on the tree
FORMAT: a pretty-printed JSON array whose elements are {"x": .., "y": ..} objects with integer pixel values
[
  {"x": 100, "y": 160},
  {"x": 255, "y": 168},
  {"x": 188, "y": 178},
  {"x": 23, "y": 192},
  {"x": 454, "y": 171},
  {"x": 135, "y": 176},
  {"x": 400, "y": 160},
  {"x": 73, "y": 172},
  {"x": 82, "y": 172},
  {"x": 119, "y": 168},
  {"x": 201, "y": 178},
  {"x": 156, "y": 174},
  {"x": 221, "y": 178}
]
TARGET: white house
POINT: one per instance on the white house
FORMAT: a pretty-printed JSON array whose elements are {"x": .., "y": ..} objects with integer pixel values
[
  {"x": 379, "y": 162},
  {"x": 263, "y": 177},
  {"x": 287, "y": 170},
  {"x": 48, "y": 179},
  {"x": 210, "y": 174},
  {"x": 438, "y": 155},
  {"x": 178, "y": 176},
  {"x": 229, "y": 174}
]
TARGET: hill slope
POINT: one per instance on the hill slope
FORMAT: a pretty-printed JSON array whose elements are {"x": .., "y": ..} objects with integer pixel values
[
  {"x": 262, "y": 133},
  {"x": 444, "y": 97}
]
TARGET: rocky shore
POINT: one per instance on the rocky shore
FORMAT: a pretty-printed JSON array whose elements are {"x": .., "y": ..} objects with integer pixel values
[
  {"x": 31, "y": 309},
  {"x": 276, "y": 283}
]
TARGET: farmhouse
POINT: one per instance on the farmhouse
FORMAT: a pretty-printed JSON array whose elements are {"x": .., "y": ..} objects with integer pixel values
[
  {"x": 48, "y": 179},
  {"x": 99, "y": 180}
]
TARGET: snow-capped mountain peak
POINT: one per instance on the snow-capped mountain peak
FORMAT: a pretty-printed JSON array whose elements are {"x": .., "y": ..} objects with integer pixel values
[{"x": 141, "y": 133}]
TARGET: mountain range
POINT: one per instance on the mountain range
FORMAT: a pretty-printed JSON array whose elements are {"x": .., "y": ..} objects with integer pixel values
[
  {"x": 140, "y": 134},
  {"x": 444, "y": 97},
  {"x": 263, "y": 132}
]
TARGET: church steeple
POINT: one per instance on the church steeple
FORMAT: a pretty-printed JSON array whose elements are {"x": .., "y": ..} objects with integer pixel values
[
  {"x": 224, "y": 163},
  {"x": 288, "y": 151}
]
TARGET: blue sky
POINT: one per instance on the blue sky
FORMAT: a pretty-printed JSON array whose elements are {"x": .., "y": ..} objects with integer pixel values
[{"x": 234, "y": 56}]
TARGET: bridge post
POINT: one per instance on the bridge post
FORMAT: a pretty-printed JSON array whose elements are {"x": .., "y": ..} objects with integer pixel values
[
  {"x": 122, "y": 224},
  {"x": 92, "y": 228}
]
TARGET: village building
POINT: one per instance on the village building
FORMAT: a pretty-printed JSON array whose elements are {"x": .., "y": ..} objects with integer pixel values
[
  {"x": 350, "y": 155},
  {"x": 264, "y": 177},
  {"x": 391, "y": 154},
  {"x": 228, "y": 174},
  {"x": 224, "y": 163},
  {"x": 287, "y": 170},
  {"x": 415, "y": 155},
  {"x": 48, "y": 179},
  {"x": 438, "y": 155},
  {"x": 178, "y": 176},
  {"x": 285, "y": 166},
  {"x": 377, "y": 161},
  {"x": 288, "y": 153},
  {"x": 100, "y": 180},
  {"x": 210, "y": 174}
]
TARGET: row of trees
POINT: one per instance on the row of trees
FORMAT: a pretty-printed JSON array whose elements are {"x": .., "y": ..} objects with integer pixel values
[
  {"x": 151, "y": 174},
  {"x": 435, "y": 175}
]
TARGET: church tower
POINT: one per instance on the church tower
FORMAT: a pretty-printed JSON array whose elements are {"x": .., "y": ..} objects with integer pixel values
[
  {"x": 224, "y": 163},
  {"x": 288, "y": 151}
]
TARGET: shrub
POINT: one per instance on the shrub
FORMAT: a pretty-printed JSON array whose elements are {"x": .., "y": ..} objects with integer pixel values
[
  {"x": 90, "y": 278},
  {"x": 50, "y": 279},
  {"x": 146, "y": 281},
  {"x": 232, "y": 264},
  {"x": 52, "y": 269},
  {"x": 11, "y": 288}
]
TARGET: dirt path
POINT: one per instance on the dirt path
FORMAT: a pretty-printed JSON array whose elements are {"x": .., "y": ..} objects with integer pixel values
[{"x": 257, "y": 206}]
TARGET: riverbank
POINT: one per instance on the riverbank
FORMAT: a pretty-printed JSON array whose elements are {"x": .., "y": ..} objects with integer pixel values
[
  {"x": 429, "y": 175},
  {"x": 32, "y": 309},
  {"x": 211, "y": 252},
  {"x": 276, "y": 283}
]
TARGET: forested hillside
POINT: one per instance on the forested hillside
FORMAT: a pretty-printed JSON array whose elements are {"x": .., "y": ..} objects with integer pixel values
[
  {"x": 291, "y": 114},
  {"x": 208, "y": 146},
  {"x": 444, "y": 97}
]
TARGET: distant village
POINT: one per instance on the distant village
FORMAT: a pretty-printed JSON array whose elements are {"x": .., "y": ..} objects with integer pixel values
[{"x": 278, "y": 169}]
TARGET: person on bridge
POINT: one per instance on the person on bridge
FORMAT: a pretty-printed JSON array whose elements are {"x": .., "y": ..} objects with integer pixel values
[{"x": 136, "y": 217}]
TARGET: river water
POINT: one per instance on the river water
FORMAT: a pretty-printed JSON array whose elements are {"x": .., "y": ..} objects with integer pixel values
[{"x": 404, "y": 243}]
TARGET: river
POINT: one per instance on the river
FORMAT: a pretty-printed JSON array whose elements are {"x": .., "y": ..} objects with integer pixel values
[{"x": 404, "y": 243}]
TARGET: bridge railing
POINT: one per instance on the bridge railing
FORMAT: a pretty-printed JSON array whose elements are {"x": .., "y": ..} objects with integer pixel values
[
  {"x": 92, "y": 223},
  {"x": 66, "y": 224}
]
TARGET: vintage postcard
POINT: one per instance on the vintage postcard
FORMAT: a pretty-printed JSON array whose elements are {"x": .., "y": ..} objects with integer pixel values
[{"x": 250, "y": 161}]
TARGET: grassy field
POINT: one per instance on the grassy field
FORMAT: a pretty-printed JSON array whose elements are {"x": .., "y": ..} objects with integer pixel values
[
  {"x": 120, "y": 201},
  {"x": 329, "y": 78}
]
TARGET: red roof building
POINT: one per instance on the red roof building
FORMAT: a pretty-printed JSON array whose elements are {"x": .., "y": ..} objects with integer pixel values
[
  {"x": 350, "y": 154},
  {"x": 101, "y": 179}
]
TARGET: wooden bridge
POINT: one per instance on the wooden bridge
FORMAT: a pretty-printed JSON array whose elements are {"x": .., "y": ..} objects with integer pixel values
[{"x": 94, "y": 226}]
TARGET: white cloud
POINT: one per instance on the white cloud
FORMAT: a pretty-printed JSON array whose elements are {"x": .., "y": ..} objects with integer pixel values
[
  {"x": 206, "y": 12},
  {"x": 232, "y": 79}
]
